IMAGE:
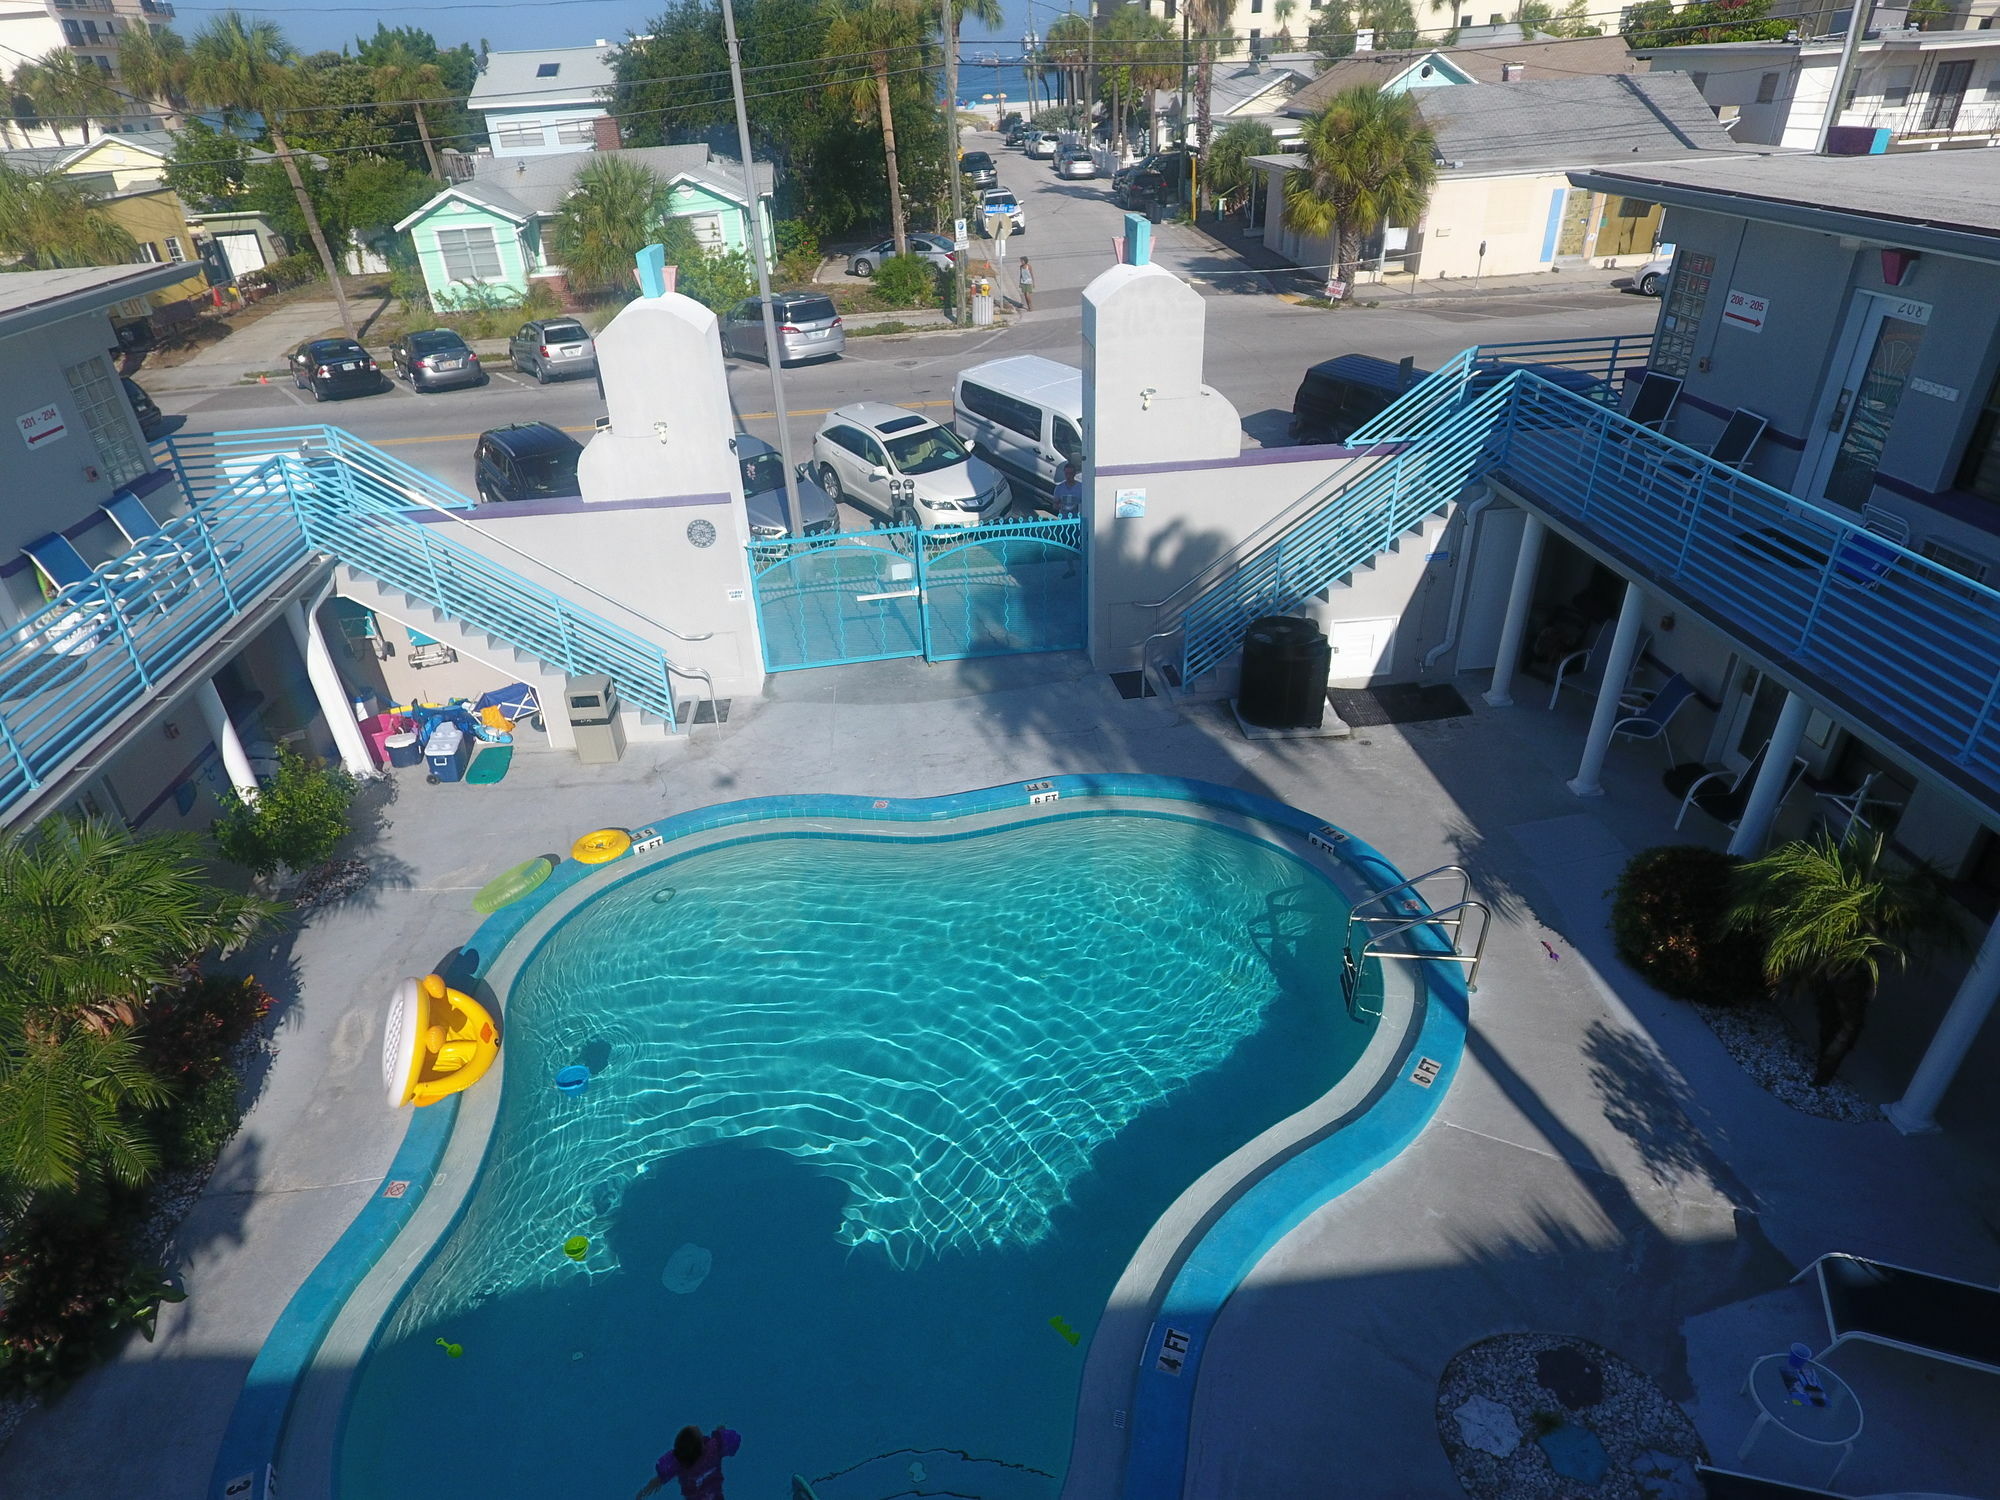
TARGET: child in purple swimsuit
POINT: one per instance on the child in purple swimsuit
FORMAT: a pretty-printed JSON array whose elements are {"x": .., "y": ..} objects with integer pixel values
[{"x": 696, "y": 1461}]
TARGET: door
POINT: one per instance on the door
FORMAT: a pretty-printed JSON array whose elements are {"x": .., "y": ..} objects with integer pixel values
[
  {"x": 1872, "y": 370},
  {"x": 1948, "y": 86},
  {"x": 242, "y": 252},
  {"x": 1362, "y": 649},
  {"x": 1750, "y": 712}
]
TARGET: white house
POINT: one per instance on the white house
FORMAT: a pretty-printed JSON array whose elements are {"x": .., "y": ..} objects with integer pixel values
[{"x": 546, "y": 100}]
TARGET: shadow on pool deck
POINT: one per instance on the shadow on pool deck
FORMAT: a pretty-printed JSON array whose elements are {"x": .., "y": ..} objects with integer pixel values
[{"x": 1599, "y": 1168}]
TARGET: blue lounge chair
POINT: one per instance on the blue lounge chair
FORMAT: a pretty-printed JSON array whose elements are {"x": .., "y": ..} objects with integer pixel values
[
  {"x": 80, "y": 613},
  {"x": 148, "y": 535},
  {"x": 1726, "y": 1484},
  {"x": 1650, "y": 723},
  {"x": 1915, "y": 1311}
]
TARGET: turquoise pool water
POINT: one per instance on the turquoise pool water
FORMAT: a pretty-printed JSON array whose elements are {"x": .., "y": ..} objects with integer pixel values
[{"x": 867, "y": 1114}]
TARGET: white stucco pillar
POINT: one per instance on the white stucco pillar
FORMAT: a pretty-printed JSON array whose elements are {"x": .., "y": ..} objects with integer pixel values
[
  {"x": 1527, "y": 562},
  {"x": 1617, "y": 670},
  {"x": 1916, "y": 1111},
  {"x": 1753, "y": 829},
  {"x": 223, "y": 732},
  {"x": 334, "y": 704}
]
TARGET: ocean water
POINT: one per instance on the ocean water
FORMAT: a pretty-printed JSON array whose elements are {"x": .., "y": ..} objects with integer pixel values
[{"x": 873, "y": 1129}]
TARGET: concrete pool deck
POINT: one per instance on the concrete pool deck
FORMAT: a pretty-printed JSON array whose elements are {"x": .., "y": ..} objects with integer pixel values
[{"x": 1600, "y": 1167}]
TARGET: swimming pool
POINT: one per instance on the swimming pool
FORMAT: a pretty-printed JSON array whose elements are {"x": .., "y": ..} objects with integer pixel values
[{"x": 882, "y": 1108}]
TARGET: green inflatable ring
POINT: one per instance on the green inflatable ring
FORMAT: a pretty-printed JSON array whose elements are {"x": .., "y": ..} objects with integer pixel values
[{"x": 505, "y": 890}]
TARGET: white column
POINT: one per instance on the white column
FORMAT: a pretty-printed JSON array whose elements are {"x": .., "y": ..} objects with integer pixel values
[
  {"x": 1526, "y": 562},
  {"x": 1617, "y": 669},
  {"x": 334, "y": 703},
  {"x": 1753, "y": 829},
  {"x": 223, "y": 732},
  {"x": 1916, "y": 1111}
]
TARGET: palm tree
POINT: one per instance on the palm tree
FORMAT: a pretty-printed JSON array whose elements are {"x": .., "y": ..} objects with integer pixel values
[
  {"x": 62, "y": 85},
  {"x": 247, "y": 67},
  {"x": 153, "y": 61},
  {"x": 866, "y": 43},
  {"x": 1147, "y": 60},
  {"x": 1209, "y": 20},
  {"x": 1369, "y": 161},
  {"x": 1282, "y": 12},
  {"x": 616, "y": 209},
  {"x": 404, "y": 78},
  {"x": 1831, "y": 916},
  {"x": 67, "y": 1111},
  {"x": 1065, "y": 47},
  {"x": 49, "y": 220},
  {"x": 1229, "y": 154}
]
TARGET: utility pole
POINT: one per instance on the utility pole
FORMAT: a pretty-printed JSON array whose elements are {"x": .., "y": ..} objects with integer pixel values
[
  {"x": 761, "y": 258},
  {"x": 960, "y": 246},
  {"x": 1090, "y": 80},
  {"x": 1857, "y": 22},
  {"x": 1187, "y": 128}
]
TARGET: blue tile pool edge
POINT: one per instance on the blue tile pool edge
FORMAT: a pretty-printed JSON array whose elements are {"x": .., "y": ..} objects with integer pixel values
[{"x": 245, "y": 1464}]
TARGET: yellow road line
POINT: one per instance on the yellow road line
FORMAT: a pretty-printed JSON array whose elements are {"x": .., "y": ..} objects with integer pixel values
[{"x": 748, "y": 416}]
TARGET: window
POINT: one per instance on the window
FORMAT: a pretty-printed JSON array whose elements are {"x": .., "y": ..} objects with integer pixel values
[
  {"x": 1068, "y": 443},
  {"x": 149, "y": 253},
  {"x": 548, "y": 70},
  {"x": 469, "y": 254},
  {"x": 101, "y": 402},
  {"x": 1962, "y": 563},
  {"x": 1009, "y": 411},
  {"x": 1256, "y": 7},
  {"x": 1979, "y": 471},
  {"x": 707, "y": 230},
  {"x": 174, "y": 250},
  {"x": 1896, "y": 86},
  {"x": 72, "y": 33},
  {"x": 576, "y": 132},
  {"x": 1680, "y": 319},
  {"x": 518, "y": 133},
  {"x": 1767, "y": 87}
]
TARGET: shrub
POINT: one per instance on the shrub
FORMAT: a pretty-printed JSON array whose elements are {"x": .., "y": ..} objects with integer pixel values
[
  {"x": 190, "y": 1029},
  {"x": 298, "y": 819},
  {"x": 193, "y": 1129},
  {"x": 295, "y": 269},
  {"x": 798, "y": 251},
  {"x": 72, "y": 1286},
  {"x": 717, "y": 280},
  {"x": 907, "y": 281},
  {"x": 1669, "y": 919}
]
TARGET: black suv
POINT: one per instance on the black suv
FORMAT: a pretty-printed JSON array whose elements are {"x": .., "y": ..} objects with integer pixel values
[
  {"x": 335, "y": 367},
  {"x": 978, "y": 167},
  {"x": 528, "y": 461}
]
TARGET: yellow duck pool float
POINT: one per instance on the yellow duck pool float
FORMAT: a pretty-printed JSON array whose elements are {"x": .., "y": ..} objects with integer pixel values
[{"x": 439, "y": 1041}]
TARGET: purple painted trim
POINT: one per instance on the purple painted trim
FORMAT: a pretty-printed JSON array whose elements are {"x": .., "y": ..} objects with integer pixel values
[
  {"x": 575, "y": 507},
  {"x": 1257, "y": 458},
  {"x": 1960, "y": 505},
  {"x": 145, "y": 484},
  {"x": 1771, "y": 434}
]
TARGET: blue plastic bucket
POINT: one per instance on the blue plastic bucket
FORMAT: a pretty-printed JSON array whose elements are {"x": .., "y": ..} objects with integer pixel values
[{"x": 571, "y": 1080}]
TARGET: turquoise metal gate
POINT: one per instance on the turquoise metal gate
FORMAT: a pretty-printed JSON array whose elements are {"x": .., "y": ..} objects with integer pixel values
[{"x": 1006, "y": 589}]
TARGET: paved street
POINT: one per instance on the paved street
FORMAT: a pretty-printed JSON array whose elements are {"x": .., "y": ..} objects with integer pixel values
[{"x": 1257, "y": 344}]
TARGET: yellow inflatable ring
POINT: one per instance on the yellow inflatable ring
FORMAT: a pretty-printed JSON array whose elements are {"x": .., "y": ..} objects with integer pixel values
[{"x": 601, "y": 847}]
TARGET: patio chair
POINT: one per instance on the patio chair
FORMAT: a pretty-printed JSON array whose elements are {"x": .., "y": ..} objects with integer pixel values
[
  {"x": 145, "y": 533},
  {"x": 1915, "y": 1311},
  {"x": 1650, "y": 723},
  {"x": 1726, "y": 1484},
  {"x": 1725, "y": 803},
  {"x": 1590, "y": 678},
  {"x": 83, "y": 626},
  {"x": 1655, "y": 401}
]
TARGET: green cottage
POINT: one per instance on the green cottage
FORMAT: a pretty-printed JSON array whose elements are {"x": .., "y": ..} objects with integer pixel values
[{"x": 480, "y": 240}]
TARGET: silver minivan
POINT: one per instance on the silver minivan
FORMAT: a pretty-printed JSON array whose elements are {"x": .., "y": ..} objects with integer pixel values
[
  {"x": 1023, "y": 415},
  {"x": 808, "y": 326}
]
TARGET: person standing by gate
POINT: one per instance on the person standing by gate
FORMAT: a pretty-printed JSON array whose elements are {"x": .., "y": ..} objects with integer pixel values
[{"x": 1026, "y": 277}]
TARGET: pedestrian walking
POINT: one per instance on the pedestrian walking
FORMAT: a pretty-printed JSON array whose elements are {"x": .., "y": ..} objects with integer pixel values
[{"x": 1026, "y": 277}]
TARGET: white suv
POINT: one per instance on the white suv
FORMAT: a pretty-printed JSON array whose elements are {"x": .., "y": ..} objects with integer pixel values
[{"x": 905, "y": 469}]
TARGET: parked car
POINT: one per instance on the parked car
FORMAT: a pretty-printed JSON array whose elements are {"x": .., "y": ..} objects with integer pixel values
[
  {"x": 552, "y": 348},
  {"x": 1042, "y": 145},
  {"x": 1014, "y": 130},
  {"x": 152, "y": 422},
  {"x": 808, "y": 328},
  {"x": 934, "y": 248},
  {"x": 1650, "y": 280},
  {"x": 1003, "y": 201},
  {"x": 905, "y": 469},
  {"x": 1024, "y": 415},
  {"x": 335, "y": 367},
  {"x": 979, "y": 168},
  {"x": 527, "y": 461},
  {"x": 1341, "y": 394},
  {"x": 435, "y": 359},
  {"x": 1145, "y": 191},
  {"x": 1075, "y": 162},
  {"x": 764, "y": 495}
]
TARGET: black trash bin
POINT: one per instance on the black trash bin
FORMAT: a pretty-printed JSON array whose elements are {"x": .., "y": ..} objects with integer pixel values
[{"x": 1285, "y": 667}]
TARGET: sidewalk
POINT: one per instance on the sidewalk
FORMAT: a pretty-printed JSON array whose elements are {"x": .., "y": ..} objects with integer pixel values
[{"x": 258, "y": 345}]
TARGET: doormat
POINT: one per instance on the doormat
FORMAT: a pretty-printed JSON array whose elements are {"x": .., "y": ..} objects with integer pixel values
[
  {"x": 707, "y": 711},
  {"x": 1397, "y": 703},
  {"x": 490, "y": 765},
  {"x": 1132, "y": 685}
]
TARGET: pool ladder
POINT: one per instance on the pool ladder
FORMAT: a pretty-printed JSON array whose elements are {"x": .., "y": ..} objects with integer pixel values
[{"x": 1380, "y": 917}]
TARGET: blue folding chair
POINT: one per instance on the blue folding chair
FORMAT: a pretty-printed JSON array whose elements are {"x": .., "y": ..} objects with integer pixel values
[
  {"x": 147, "y": 534},
  {"x": 1650, "y": 723}
]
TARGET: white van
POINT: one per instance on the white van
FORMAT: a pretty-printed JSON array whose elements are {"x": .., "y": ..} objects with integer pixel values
[{"x": 1023, "y": 415}]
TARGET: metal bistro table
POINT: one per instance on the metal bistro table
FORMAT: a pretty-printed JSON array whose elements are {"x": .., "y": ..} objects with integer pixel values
[{"x": 1834, "y": 1425}]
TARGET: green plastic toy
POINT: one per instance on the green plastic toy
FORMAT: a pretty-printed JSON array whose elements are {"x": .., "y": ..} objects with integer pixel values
[
  {"x": 452, "y": 1350},
  {"x": 576, "y": 1247},
  {"x": 1061, "y": 1325}
]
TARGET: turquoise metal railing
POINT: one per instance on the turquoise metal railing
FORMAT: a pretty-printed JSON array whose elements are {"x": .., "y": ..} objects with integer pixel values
[
  {"x": 265, "y": 504},
  {"x": 1607, "y": 357},
  {"x": 1910, "y": 647}
]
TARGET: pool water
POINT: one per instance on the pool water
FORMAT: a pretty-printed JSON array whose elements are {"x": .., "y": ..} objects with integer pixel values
[{"x": 867, "y": 1114}]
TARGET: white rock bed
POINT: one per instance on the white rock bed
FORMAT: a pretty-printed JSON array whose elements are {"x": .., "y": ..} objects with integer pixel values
[
  {"x": 1778, "y": 1060},
  {"x": 1650, "y": 1442}
]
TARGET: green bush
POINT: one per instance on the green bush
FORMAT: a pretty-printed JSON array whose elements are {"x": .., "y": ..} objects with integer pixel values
[
  {"x": 298, "y": 819},
  {"x": 295, "y": 269},
  {"x": 907, "y": 281},
  {"x": 717, "y": 280},
  {"x": 1669, "y": 919},
  {"x": 799, "y": 254}
]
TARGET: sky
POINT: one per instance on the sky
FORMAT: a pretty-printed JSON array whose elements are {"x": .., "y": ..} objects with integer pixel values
[{"x": 507, "y": 25}]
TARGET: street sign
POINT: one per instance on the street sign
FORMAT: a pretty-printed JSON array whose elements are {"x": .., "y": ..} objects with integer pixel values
[{"x": 958, "y": 234}]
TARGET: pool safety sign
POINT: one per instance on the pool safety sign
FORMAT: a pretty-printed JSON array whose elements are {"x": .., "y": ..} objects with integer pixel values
[
  {"x": 1176, "y": 1345},
  {"x": 42, "y": 426}
]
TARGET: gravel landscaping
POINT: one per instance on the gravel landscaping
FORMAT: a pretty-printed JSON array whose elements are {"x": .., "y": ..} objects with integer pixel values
[{"x": 1766, "y": 1047}]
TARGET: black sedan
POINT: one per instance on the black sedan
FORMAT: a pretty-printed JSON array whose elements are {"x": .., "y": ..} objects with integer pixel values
[
  {"x": 335, "y": 367},
  {"x": 435, "y": 359}
]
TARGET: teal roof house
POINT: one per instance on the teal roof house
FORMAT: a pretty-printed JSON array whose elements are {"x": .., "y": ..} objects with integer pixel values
[{"x": 481, "y": 240}]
